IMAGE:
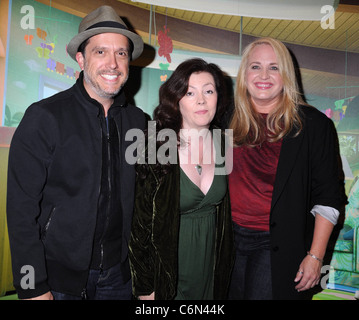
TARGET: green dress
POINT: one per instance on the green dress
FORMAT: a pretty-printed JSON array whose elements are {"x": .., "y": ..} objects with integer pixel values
[{"x": 197, "y": 238}]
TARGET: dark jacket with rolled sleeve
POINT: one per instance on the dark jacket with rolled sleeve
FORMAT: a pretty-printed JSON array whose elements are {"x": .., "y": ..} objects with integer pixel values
[
  {"x": 54, "y": 179},
  {"x": 308, "y": 174}
]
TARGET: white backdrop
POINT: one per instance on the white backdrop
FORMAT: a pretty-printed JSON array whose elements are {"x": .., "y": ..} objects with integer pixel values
[{"x": 271, "y": 9}]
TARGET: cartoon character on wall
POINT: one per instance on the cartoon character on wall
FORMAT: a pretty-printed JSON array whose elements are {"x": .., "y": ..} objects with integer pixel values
[
  {"x": 165, "y": 50},
  {"x": 165, "y": 42},
  {"x": 42, "y": 34},
  {"x": 45, "y": 50},
  {"x": 28, "y": 39}
]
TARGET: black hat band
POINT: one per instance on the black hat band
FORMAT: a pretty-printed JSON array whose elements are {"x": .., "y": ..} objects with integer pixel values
[{"x": 108, "y": 24}]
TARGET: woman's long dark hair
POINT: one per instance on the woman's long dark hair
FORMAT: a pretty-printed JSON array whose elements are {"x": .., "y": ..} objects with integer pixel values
[{"x": 167, "y": 114}]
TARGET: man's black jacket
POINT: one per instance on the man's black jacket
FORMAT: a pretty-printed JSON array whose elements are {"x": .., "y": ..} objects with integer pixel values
[{"x": 54, "y": 180}]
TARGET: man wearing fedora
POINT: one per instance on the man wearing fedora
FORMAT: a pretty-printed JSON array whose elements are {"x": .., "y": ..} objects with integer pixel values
[{"x": 70, "y": 189}]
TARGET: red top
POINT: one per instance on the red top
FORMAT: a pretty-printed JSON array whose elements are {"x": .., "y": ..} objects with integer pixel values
[{"x": 251, "y": 184}]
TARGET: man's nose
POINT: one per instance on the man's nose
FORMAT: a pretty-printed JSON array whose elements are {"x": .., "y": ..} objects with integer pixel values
[{"x": 112, "y": 61}]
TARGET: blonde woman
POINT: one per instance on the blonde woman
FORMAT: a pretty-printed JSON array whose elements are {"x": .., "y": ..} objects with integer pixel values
[{"x": 285, "y": 188}]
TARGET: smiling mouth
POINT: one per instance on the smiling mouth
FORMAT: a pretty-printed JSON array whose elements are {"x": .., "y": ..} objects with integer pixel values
[
  {"x": 263, "y": 86},
  {"x": 110, "y": 77}
]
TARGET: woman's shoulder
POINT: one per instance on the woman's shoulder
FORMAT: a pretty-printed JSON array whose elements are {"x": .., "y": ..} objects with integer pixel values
[
  {"x": 316, "y": 121},
  {"x": 155, "y": 172},
  {"x": 311, "y": 113}
]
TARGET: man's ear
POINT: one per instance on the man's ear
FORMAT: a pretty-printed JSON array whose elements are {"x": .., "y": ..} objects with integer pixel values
[{"x": 80, "y": 59}]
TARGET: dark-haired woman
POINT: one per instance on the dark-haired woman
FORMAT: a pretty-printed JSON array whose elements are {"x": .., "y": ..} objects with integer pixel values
[{"x": 181, "y": 245}]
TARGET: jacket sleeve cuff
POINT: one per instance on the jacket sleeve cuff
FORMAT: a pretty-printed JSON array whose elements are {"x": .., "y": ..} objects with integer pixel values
[
  {"x": 329, "y": 213},
  {"x": 40, "y": 289}
]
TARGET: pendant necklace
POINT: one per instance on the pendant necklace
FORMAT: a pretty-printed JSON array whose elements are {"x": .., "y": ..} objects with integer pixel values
[{"x": 198, "y": 168}]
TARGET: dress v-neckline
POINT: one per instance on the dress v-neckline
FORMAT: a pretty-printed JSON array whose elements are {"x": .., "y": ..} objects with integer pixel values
[{"x": 197, "y": 187}]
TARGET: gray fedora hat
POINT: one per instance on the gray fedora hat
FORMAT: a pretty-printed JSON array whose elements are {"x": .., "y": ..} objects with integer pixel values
[{"x": 103, "y": 20}]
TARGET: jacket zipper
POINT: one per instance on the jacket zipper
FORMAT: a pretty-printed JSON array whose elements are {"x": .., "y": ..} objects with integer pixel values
[
  {"x": 84, "y": 294},
  {"x": 109, "y": 189},
  {"x": 84, "y": 290},
  {"x": 47, "y": 224}
]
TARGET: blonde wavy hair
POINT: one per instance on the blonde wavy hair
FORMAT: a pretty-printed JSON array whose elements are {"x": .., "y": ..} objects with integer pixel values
[{"x": 248, "y": 126}]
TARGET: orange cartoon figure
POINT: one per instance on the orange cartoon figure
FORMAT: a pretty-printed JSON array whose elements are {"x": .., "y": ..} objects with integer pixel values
[
  {"x": 28, "y": 39},
  {"x": 42, "y": 34}
]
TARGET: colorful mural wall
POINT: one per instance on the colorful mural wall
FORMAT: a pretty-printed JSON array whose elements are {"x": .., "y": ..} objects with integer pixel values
[{"x": 37, "y": 56}]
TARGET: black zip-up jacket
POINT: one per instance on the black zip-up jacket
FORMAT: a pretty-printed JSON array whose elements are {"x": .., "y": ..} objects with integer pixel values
[
  {"x": 108, "y": 233},
  {"x": 54, "y": 180}
]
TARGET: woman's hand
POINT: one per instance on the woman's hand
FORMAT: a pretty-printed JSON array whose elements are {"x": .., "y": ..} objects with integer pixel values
[
  {"x": 149, "y": 297},
  {"x": 309, "y": 271},
  {"x": 308, "y": 274},
  {"x": 45, "y": 296}
]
